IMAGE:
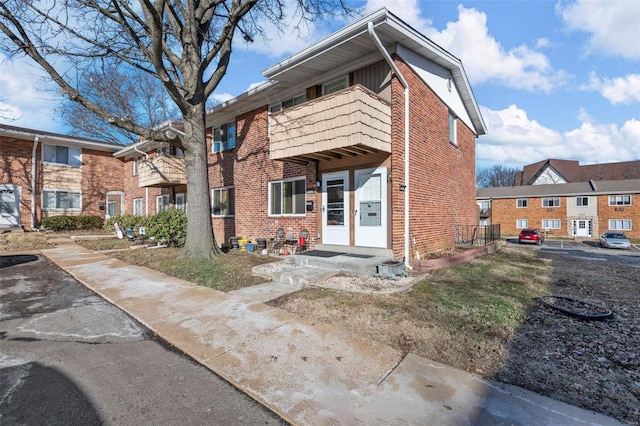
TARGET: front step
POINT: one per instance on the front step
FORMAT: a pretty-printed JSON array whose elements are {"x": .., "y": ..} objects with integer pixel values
[
  {"x": 301, "y": 276},
  {"x": 367, "y": 251}
]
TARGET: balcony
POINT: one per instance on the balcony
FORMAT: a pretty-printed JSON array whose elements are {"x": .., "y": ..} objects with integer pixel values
[
  {"x": 162, "y": 170},
  {"x": 351, "y": 122}
]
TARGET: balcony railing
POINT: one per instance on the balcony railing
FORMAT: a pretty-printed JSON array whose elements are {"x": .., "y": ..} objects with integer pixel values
[
  {"x": 162, "y": 170},
  {"x": 353, "y": 121}
]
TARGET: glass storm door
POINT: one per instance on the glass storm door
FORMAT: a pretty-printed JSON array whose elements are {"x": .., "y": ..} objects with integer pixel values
[
  {"x": 371, "y": 207},
  {"x": 335, "y": 208}
]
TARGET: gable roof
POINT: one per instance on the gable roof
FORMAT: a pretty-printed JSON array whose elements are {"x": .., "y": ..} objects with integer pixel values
[
  {"x": 56, "y": 138},
  {"x": 352, "y": 48},
  {"x": 572, "y": 171},
  {"x": 607, "y": 187}
]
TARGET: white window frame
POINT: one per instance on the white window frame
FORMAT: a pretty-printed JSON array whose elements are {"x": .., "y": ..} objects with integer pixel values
[
  {"x": 335, "y": 85},
  {"x": 216, "y": 194},
  {"x": 522, "y": 223},
  {"x": 613, "y": 200},
  {"x": 288, "y": 103},
  {"x": 183, "y": 205},
  {"x": 74, "y": 155},
  {"x": 549, "y": 203},
  {"x": 582, "y": 201},
  {"x": 294, "y": 196},
  {"x": 620, "y": 224},
  {"x": 453, "y": 133},
  {"x": 551, "y": 223},
  {"x": 165, "y": 204},
  {"x": 224, "y": 137},
  {"x": 58, "y": 193},
  {"x": 483, "y": 223},
  {"x": 136, "y": 165},
  {"x": 137, "y": 206},
  {"x": 524, "y": 201}
]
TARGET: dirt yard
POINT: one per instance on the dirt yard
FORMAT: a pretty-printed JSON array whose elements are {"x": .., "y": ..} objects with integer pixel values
[{"x": 592, "y": 364}]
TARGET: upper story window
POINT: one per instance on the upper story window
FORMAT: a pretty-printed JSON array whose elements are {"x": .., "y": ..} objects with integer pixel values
[
  {"x": 452, "y": 128},
  {"x": 551, "y": 202},
  {"x": 484, "y": 205},
  {"x": 335, "y": 85},
  {"x": 287, "y": 197},
  {"x": 224, "y": 137},
  {"x": 582, "y": 201},
  {"x": 166, "y": 150},
  {"x": 62, "y": 155},
  {"x": 522, "y": 203},
  {"x": 136, "y": 165},
  {"x": 619, "y": 200},
  {"x": 288, "y": 103}
]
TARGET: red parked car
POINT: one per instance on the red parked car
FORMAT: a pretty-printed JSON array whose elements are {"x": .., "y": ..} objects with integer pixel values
[{"x": 532, "y": 236}]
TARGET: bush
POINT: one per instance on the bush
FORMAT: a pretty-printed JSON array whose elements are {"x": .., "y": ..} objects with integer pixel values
[
  {"x": 168, "y": 227},
  {"x": 64, "y": 223},
  {"x": 126, "y": 221}
]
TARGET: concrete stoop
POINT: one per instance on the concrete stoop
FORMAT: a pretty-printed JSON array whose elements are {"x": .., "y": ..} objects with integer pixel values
[
  {"x": 302, "y": 276},
  {"x": 349, "y": 264}
]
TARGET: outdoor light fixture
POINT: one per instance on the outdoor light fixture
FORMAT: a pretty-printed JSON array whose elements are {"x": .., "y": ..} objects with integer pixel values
[{"x": 403, "y": 187}]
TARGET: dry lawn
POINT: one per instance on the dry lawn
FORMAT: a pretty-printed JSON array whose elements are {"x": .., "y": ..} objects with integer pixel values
[{"x": 483, "y": 317}]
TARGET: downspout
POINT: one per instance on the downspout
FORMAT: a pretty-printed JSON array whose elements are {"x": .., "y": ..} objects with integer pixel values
[
  {"x": 146, "y": 189},
  {"x": 404, "y": 83},
  {"x": 33, "y": 182}
]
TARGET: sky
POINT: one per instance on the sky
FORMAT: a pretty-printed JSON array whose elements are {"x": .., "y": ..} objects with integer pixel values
[{"x": 553, "y": 79}]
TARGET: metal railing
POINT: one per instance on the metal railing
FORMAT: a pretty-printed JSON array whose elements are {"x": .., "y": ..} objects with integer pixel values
[{"x": 475, "y": 235}]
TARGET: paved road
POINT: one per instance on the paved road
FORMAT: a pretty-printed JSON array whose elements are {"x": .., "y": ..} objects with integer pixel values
[{"x": 67, "y": 357}]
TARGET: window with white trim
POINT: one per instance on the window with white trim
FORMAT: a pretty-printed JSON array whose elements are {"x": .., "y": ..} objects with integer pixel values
[
  {"x": 335, "y": 85},
  {"x": 223, "y": 201},
  {"x": 582, "y": 201},
  {"x": 551, "y": 223},
  {"x": 287, "y": 197},
  {"x": 137, "y": 206},
  {"x": 162, "y": 203},
  {"x": 620, "y": 224},
  {"x": 224, "y": 137},
  {"x": 288, "y": 103},
  {"x": 62, "y": 155},
  {"x": 619, "y": 200},
  {"x": 551, "y": 202},
  {"x": 522, "y": 203},
  {"x": 452, "y": 128},
  {"x": 136, "y": 165},
  {"x": 53, "y": 199},
  {"x": 522, "y": 223}
]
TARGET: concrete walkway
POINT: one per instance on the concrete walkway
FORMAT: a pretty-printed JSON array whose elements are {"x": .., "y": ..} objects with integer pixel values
[{"x": 307, "y": 371}]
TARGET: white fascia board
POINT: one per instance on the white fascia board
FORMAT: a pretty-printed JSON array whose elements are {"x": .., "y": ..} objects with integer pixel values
[{"x": 61, "y": 140}]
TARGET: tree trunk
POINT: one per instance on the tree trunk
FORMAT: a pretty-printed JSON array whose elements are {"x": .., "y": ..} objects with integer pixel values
[{"x": 200, "y": 242}]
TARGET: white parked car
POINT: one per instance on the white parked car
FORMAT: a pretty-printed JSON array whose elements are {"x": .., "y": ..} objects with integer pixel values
[{"x": 614, "y": 240}]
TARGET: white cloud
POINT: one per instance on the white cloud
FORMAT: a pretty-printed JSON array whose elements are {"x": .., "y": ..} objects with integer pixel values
[
  {"x": 515, "y": 140},
  {"x": 620, "y": 90},
  {"x": 614, "y": 25},
  {"x": 484, "y": 58},
  {"x": 24, "y": 100}
]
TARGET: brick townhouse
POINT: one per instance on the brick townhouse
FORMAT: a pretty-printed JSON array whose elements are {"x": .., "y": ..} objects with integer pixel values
[
  {"x": 365, "y": 139},
  {"x": 552, "y": 201},
  {"x": 45, "y": 174}
]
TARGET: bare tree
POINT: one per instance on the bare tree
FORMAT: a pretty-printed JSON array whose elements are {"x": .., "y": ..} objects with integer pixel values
[
  {"x": 133, "y": 94},
  {"x": 496, "y": 176},
  {"x": 184, "y": 44}
]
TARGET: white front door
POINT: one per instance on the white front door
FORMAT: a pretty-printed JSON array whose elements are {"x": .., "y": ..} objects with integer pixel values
[
  {"x": 582, "y": 228},
  {"x": 9, "y": 205},
  {"x": 335, "y": 208},
  {"x": 371, "y": 207}
]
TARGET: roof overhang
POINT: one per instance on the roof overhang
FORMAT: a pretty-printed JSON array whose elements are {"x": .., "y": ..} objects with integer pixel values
[{"x": 54, "y": 138}]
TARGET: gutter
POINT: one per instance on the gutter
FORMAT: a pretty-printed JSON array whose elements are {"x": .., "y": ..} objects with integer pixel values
[
  {"x": 404, "y": 83},
  {"x": 33, "y": 182}
]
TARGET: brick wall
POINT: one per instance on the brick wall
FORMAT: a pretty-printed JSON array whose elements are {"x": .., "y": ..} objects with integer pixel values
[
  {"x": 101, "y": 172},
  {"x": 632, "y": 212},
  {"x": 506, "y": 213},
  {"x": 133, "y": 190},
  {"x": 249, "y": 169},
  {"x": 442, "y": 182},
  {"x": 15, "y": 168}
]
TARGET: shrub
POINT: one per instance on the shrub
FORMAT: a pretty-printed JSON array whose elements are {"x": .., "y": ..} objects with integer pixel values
[
  {"x": 126, "y": 221},
  {"x": 64, "y": 223},
  {"x": 168, "y": 227}
]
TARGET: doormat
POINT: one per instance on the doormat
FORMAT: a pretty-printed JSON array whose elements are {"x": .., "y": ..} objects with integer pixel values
[
  {"x": 361, "y": 256},
  {"x": 320, "y": 253}
]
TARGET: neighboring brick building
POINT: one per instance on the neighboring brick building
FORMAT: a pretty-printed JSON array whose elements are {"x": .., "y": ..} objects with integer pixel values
[
  {"x": 46, "y": 174},
  {"x": 577, "y": 209}
]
